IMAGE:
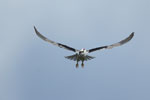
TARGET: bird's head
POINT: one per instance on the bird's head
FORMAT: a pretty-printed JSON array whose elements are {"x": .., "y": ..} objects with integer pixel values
[{"x": 82, "y": 49}]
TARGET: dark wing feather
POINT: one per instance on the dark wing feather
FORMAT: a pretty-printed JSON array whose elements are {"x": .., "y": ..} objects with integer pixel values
[
  {"x": 98, "y": 48},
  {"x": 54, "y": 43},
  {"x": 115, "y": 44}
]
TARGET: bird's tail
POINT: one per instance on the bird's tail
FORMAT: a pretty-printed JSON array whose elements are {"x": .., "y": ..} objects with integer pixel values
[{"x": 76, "y": 57}]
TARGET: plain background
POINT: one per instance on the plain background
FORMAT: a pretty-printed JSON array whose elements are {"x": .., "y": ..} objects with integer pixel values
[{"x": 31, "y": 69}]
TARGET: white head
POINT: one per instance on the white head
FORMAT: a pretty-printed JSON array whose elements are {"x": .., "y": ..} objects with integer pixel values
[{"x": 82, "y": 49}]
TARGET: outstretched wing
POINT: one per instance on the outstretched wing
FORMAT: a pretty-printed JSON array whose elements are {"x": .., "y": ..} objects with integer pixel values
[
  {"x": 115, "y": 44},
  {"x": 54, "y": 43}
]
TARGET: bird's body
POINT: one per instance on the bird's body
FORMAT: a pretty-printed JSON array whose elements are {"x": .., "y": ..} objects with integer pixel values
[{"x": 82, "y": 55}]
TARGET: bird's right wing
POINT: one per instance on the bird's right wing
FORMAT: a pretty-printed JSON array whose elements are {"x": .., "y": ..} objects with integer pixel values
[
  {"x": 114, "y": 45},
  {"x": 54, "y": 43}
]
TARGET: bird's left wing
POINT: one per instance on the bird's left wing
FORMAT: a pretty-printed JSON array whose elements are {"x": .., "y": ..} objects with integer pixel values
[
  {"x": 113, "y": 45},
  {"x": 54, "y": 43}
]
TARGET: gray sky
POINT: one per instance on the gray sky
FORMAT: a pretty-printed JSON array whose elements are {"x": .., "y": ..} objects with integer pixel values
[{"x": 31, "y": 69}]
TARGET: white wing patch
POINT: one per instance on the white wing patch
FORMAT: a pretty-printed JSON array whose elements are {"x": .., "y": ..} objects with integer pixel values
[{"x": 113, "y": 45}]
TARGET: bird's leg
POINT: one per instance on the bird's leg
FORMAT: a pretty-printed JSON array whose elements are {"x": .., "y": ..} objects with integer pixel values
[
  {"x": 82, "y": 64},
  {"x": 77, "y": 65}
]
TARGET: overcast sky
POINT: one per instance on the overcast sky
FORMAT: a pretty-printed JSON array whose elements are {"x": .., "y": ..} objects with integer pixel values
[{"x": 31, "y": 69}]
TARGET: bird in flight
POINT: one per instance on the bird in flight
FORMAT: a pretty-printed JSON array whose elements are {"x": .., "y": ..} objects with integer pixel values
[{"x": 82, "y": 55}]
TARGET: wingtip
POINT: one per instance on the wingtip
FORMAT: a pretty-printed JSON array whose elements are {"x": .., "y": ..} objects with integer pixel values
[
  {"x": 35, "y": 30},
  {"x": 34, "y": 27},
  {"x": 132, "y": 33}
]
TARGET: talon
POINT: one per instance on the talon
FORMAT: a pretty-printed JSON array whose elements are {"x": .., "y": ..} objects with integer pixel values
[
  {"x": 82, "y": 65},
  {"x": 77, "y": 65}
]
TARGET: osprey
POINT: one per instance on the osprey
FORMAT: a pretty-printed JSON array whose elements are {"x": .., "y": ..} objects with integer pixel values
[{"x": 81, "y": 55}]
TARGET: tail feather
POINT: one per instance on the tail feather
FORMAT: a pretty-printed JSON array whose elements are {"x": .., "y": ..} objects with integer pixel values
[{"x": 76, "y": 57}]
